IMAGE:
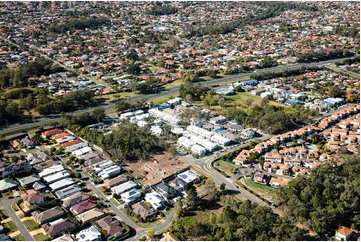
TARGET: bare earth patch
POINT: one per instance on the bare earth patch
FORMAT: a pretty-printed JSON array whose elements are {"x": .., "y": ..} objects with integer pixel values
[{"x": 157, "y": 167}]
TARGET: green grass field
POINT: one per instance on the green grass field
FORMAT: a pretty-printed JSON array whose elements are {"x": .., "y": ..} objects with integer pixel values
[
  {"x": 227, "y": 167},
  {"x": 19, "y": 237},
  {"x": 31, "y": 224},
  {"x": 10, "y": 226},
  {"x": 41, "y": 237}
]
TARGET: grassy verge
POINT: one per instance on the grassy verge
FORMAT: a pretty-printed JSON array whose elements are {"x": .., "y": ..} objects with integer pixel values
[
  {"x": 227, "y": 167},
  {"x": 15, "y": 207},
  {"x": 3, "y": 214},
  {"x": 41, "y": 237},
  {"x": 253, "y": 193},
  {"x": 10, "y": 226},
  {"x": 31, "y": 225},
  {"x": 114, "y": 201},
  {"x": 141, "y": 224},
  {"x": 19, "y": 237}
]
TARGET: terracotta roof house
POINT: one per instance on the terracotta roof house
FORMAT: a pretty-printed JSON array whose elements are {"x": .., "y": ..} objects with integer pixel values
[
  {"x": 58, "y": 227},
  {"x": 48, "y": 215},
  {"x": 111, "y": 227},
  {"x": 51, "y": 132},
  {"x": 345, "y": 234},
  {"x": 143, "y": 210},
  {"x": 83, "y": 206}
]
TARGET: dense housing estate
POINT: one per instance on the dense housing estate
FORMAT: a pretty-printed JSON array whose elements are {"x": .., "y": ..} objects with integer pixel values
[{"x": 77, "y": 179}]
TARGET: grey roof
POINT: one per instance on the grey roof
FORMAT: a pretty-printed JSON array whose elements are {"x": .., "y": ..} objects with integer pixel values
[
  {"x": 7, "y": 183},
  {"x": 38, "y": 186},
  {"x": 28, "y": 180}
]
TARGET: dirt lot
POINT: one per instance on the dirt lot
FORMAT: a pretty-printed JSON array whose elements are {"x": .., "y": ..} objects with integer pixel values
[{"x": 157, "y": 167}]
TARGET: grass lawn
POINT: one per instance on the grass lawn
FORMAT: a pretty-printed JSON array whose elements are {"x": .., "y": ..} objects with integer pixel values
[
  {"x": 266, "y": 192},
  {"x": 19, "y": 237},
  {"x": 140, "y": 224},
  {"x": 15, "y": 207},
  {"x": 226, "y": 167},
  {"x": 174, "y": 84},
  {"x": 4, "y": 213},
  {"x": 10, "y": 226},
  {"x": 154, "y": 68},
  {"x": 41, "y": 237},
  {"x": 114, "y": 201},
  {"x": 31, "y": 224}
]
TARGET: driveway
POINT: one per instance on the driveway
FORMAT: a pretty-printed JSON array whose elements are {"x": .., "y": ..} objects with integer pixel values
[{"x": 6, "y": 203}]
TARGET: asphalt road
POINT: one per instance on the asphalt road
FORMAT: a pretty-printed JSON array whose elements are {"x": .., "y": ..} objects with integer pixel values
[{"x": 6, "y": 203}]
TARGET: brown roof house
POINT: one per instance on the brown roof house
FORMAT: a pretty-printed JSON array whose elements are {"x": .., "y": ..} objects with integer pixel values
[
  {"x": 144, "y": 211},
  {"x": 32, "y": 198},
  {"x": 110, "y": 226},
  {"x": 74, "y": 199},
  {"x": 48, "y": 215},
  {"x": 58, "y": 227}
]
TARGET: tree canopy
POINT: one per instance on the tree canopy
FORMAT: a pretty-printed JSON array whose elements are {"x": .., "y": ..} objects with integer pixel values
[{"x": 328, "y": 198}]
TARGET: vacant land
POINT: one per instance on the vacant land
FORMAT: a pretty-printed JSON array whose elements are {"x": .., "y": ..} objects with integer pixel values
[
  {"x": 157, "y": 167},
  {"x": 225, "y": 166}
]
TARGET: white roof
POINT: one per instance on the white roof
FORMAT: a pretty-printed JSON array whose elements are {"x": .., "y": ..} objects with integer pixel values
[
  {"x": 154, "y": 199},
  {"x": 203, "y": 142},
  {"x": 220, "y": 139},
  {"x": 131, "y": 195},
  {"x": 187, "y": 176},
  {"x": 61, "y": 184},
  {"x": 199, "y": 131},
  {"x": 81, "y": 151},
  {"x": 56, "y": 176},
  {"x": 187, "y": 143},
  {"x": 51, "y": 170},
  {"x": 89, "y": 234},
  {"x": 124, "y": 187},
  {"x": 199, "y": 150}
]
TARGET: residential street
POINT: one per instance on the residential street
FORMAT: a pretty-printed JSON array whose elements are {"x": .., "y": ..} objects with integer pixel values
[{"x": 6, "y": 203}]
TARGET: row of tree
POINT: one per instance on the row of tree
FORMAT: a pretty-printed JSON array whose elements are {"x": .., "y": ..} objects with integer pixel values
[
  {"x": 77, "y": 23},
  {"x": 271, "y": 9},
  {"x": 323, "y": 55},
  {"x": 236, "y": 220},
  {"x": 19, "y": 77}
]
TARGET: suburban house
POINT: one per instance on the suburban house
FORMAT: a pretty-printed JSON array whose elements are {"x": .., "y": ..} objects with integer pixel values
[
  {"x": 188, "y": 176},
  {"x": 28, "y": 181},
  {"x": 7, "y": 184},
  {"x": 260, "y": 177},
  {"x": 83, "y": 206},
  {"x": 178, "y": 184},
  {"x": 57, "y": 227},
  {"x": 143, "y": 210},
  {"x": 116, "y": 180},
  {"x": 345, "y": 234},
  {"x": 48, "y": 215},
  {"x": 155, "y": 200},
  {"x": 89, "y": 234},
  {"x": 32, "y": 198},
  {"x": 131, "y": 196},
  {"x": 50, "y": 132},
  {"x": 90, "y": 215},
  {"x": 166, "y": 191},
  {"x": 74, "y": 199},
  {"x": 111, "y": 226}
]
